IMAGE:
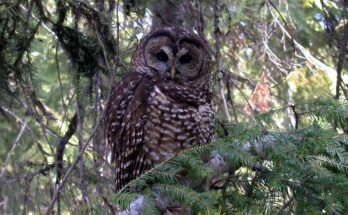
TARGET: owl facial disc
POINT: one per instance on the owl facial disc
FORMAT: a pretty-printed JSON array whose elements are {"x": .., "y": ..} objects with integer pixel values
[{"x": 173, "y": 54}]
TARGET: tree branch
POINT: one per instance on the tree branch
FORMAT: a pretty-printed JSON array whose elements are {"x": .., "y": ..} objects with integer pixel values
[
  {"x": 14, "y": 145},
  {"x": 60, "y": 152},
  {"x": 219, "y": 67}
]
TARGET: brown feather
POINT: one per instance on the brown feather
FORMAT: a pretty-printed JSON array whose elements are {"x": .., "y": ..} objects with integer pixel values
[{"x": 150, "y": 117}]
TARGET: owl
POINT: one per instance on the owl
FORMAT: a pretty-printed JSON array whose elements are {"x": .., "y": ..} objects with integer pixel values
[{"x": 163, "y": 105}]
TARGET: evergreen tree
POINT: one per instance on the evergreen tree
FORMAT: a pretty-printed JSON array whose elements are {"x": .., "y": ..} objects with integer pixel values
[{"x": 280, "y": 89}]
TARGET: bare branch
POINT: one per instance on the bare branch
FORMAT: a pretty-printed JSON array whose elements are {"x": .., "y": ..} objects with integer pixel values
[
  {"x": 60, "y": 151},
  {"x": 219, "y": 67},
  {"x": 68, "y": 173},
  {"x": 14, "y": 145}
]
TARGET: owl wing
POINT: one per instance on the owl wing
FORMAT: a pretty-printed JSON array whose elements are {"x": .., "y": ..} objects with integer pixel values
[{"x": 125, "y": 119}]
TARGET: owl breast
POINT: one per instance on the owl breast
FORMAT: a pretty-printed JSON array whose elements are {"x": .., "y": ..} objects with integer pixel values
[{"x": 175, "y": 124}]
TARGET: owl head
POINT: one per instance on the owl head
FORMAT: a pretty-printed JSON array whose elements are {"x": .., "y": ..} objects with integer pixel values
[{"x": 174, "y": 54}]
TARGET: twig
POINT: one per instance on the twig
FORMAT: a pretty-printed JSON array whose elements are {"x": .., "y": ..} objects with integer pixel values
[
  {"x": 31, "y": 108},
  {"x": 68, "y": 173},
  {"x": 20, "y": 121},
  {"x": 9, "y": 154},
  {"x": 38, "y": 20},
  {"x": 60, "y": 85},
  {"x": 245, "y": 98},
  {"x": 97, "y": 146},
  {"x": 219, "y": 69},
  {"x": 113, "y": 212},
  {"x": 104, "y": 52},
  {"x": 229, "y": 97},
  {"x": 73, "y": 165},
  {"x": 306, "y": 53},
  {"x": 341, "y": 43},
  {"x": 322, "y": 158},
  {"x": 44, "y": 170},
  {"x": 113, "y": 73},
  {"x": 80, "y": 117},
  {"x": 341, "y": 59},
  {"x": 60, "y": 151},
  {"x": 296, "y": 115},
  {"x": 287, "y": 204},
  {"x": 80, "y": 112}
]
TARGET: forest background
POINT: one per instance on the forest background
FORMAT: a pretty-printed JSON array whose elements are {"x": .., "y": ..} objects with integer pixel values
[{"x": 280, "y": 85}]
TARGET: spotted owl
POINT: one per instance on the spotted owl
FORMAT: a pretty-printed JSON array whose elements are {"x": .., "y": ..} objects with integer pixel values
[{"x": 163, "y": 105}]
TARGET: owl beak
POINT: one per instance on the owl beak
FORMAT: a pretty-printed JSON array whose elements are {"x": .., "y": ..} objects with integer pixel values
[{"x": 172, "y": 71}]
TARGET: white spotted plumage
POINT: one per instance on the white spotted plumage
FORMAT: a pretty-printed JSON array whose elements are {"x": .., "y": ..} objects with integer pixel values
[{"x": 150, "y": 117}]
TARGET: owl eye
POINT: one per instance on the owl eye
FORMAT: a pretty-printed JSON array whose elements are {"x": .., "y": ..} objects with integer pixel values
[
  {"x": 161, "y": 56},
  {"x": 185, "y": 59}
]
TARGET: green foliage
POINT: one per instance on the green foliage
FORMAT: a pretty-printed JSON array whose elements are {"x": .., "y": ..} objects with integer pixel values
[
  {"x": 304, "y": 171},
  {"x": 293, "y": 159},
  {"x": 123, "y": 199},
  {"x": 199, "y": 202}
]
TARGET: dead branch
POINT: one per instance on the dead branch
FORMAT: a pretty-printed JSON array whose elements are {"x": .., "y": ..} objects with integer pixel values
[
  {"x": 69, "y": 171},
  {"x": 14, "y": 145},
  {"x": 60, "y": 151}
]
